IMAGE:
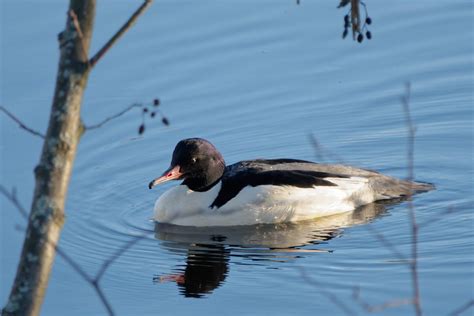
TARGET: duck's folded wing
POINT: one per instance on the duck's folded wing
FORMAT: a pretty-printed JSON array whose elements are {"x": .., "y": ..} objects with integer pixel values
[{"x": 232, "y": 185}]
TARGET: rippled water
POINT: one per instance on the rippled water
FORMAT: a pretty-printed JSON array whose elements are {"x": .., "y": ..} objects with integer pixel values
[{"x": 255, "y": 78}]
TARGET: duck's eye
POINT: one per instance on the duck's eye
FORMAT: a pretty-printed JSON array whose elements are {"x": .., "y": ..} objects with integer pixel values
[{"x": 194, "y": 160}]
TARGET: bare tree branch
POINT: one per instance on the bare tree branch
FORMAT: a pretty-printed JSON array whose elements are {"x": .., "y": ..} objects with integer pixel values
[
  {"x": 52, "y": 174},
  {"x": 94, "y": 283},
  {"x": 411, "y": 208},
  {"x": 333, "y": 298},
  {"x": 355, "y": 18},
  {"x": 438, "y": 217},
  {"x": 93, "y": 61},
  {"x": 22, "y": 125},
  {"x": 98, "y": 125},
  {"x": 77, "y": 26},
  {"x": 53, "y": 171},
  {"x": 73, "y": 264},
  {"x": 102, "y": 297},
  {"x": 13, "y": 199},
  {"x": 321, "y": 152},
  {"x": 115, "y": 256},
  {"x": 379, "y": 307},
  {"x": 380, "y": 237},
  {"x": 461, "y": 309}
]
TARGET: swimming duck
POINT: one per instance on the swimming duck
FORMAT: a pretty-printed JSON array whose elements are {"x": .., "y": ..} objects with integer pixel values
[{"x": 264, "y": 190}]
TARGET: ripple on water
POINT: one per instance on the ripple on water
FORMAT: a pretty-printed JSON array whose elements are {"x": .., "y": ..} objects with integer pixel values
[{"x": 255, "y": 96}]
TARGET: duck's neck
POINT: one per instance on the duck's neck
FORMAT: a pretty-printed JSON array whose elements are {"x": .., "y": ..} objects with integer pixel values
[
  {"x": 200, "y": 184},
  {"x": 205, "y": 181}
]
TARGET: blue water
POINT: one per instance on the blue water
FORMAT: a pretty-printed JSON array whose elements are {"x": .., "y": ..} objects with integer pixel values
[{"x": 256, "y": 78}]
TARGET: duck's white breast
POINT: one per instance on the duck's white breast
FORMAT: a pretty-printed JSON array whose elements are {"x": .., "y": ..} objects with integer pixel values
[{"x": 261, "y": 204}]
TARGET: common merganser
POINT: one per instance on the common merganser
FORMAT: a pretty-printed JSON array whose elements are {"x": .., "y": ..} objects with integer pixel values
[{"x": 265, "y": 190}]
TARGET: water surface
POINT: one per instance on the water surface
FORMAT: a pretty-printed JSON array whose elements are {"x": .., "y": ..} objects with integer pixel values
[{"x": 255, "y": 78}]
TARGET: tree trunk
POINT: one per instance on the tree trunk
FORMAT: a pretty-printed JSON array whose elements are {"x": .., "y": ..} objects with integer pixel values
[{"x": 54, "y": 169}]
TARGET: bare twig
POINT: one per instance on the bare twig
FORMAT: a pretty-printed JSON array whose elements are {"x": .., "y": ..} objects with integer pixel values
[
  {"x": 93, "y": 61},
  {"x": 73, "y": 264},
  {"x": 22, "y": 125},
  {"x": 77, "y": 27},
  {"x": 380, "y": 237},
  {"x": 95, "y": 285},
  {"x": 461, "y": 309},
  {"x": 102, "y": 297},
  {"x": 115, "y": 256},
  {"x": 13, "y": 199},
  {"x": 333, "y": 298},
  {"x": 379, "y": 307},
  {"x": 411, "y": 208},
  {"x": 135, "y": 105},
  {"x": 355, "y": 18},
  {"x": 93, "y": 282},
  {"x": 438, "y": 217},
  {"x": 321, "y": 152},
  {"x": 317, "y": 148}
]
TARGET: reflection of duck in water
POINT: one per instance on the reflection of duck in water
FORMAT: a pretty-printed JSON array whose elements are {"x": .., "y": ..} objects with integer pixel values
[
  {"x": 206, "y": 268},
  {"x": 264, "y": 191},
  {"x": 209, "y": 248}
]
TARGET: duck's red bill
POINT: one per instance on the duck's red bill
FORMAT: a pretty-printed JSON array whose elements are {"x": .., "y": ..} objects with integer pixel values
[{"x": 173, "y": 173}]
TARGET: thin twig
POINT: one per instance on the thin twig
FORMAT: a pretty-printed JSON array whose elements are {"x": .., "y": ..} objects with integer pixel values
[
  {"x": 411, "y": 208},
  {"x": 355, "y": 18},
  {"x": 102, "y": 297},
  {"x": 77, "y": 27},
  {"x": 379, "y": 307},
  {"x": 317, "y": 147},
  {"x": 22, "y": 125},
  {"x": 94, "y": 283},
  {"x": 135, "y": 105},
  {"x": 333, "y": 298},
  {"x": 115, "y": 256},
  {"x": 13, "y": 199},
  {"x": 86, "y": 277},
  {"x": 320, "y": 151},
  {"x": 380, "y": 237},
  {"x": 73, "y": 264},
  {"x": 438, "y": 217},
  {"x": 461, "y": 309},
  {"x": 93, "y": 61}
]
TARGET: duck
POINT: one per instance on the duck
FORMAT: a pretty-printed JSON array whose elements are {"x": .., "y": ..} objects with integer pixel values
[{"x": 265, "y": 191}]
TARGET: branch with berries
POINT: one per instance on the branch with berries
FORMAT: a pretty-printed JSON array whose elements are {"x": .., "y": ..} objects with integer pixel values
[
  {"x": 150, "y": 110},
  {"x": 353, "y": 20}
]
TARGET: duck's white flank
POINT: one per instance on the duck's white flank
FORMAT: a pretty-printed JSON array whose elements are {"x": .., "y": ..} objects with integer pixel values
[{"x": 263, "y": 203}]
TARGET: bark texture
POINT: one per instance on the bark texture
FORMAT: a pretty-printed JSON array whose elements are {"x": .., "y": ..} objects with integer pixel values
[{"x": 54, "y": 169}]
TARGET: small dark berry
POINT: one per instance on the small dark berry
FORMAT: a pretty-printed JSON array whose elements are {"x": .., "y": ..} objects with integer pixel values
[
  {"x": 141, "y": 129},
  {"x": 368, "y": 21},
  {"x": 145, "y": 110},
  {"x": 368, "y": 35},
  {"x": 152, "y": 114},
  {"x": 165, "y": 121},
  {"x": 156, "y": 102},
  {"x": 344, "y": 34},
  {"x": 360, "y": 38},
  {"x": 346, "y": 25},
  {"x": 346, "y": 19}
]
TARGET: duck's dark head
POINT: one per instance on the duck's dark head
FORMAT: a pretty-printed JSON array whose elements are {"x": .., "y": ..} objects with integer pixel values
[{"x": 197, "y": 162}]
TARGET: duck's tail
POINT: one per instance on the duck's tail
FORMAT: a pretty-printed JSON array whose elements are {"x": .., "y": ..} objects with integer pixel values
[
  {"x": 420, "y": 187},
  {"x": 389, "y": 188}
]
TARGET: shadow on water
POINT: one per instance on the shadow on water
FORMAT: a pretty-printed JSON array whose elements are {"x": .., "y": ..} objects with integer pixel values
[{"x": 209, "y": 249}]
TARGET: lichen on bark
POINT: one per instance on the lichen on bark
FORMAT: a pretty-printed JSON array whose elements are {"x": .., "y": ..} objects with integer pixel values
[{"x": 54, "y": 169}]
